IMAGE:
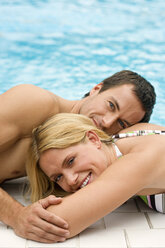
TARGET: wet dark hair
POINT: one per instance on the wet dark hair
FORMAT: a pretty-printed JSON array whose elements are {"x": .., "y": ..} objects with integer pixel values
[{"x": 142, "y": 89}]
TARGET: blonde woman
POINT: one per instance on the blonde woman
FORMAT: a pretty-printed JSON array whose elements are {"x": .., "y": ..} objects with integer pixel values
[{"x": 69, "y": 153}]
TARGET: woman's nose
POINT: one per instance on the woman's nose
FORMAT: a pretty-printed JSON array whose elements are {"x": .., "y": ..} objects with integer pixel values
[{"x": 72, "y": 179}]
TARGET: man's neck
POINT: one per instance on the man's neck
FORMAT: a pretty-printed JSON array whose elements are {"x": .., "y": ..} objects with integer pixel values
[
  {"x": 76, "y": 107},
  {"x": 69, "y": 106}
]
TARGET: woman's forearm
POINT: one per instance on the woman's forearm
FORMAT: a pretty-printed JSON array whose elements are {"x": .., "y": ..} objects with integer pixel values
[
  {"x": 116, "y": 185},
  {"x": 79, "y": 209},
  {"x": 86, "y": 206}
]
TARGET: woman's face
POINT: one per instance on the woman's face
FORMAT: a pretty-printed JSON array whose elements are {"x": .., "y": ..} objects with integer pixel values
[{"x": 74, "y": 167}]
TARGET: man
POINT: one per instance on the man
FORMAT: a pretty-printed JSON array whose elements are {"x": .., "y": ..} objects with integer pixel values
[{"x": 116, "y": 103}]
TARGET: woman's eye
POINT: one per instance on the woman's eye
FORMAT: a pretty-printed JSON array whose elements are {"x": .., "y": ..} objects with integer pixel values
[
  {"x": 112, "y": 106},
  {"x": 57, "y": 179},
  {"x": 70, "y": 161}
]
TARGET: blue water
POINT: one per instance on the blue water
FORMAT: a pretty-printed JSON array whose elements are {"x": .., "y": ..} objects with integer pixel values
[{"x": 69, "y": 46}]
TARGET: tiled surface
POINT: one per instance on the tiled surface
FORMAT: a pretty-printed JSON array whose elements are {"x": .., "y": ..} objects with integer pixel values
[
  {"x": 9, "y": 239},
  {"x": 99, "y": 238},
  {"x": 126, "y": 220},
  {"x": 147, "y": 238},
  {"x": 133, "y": 225},
  {"x": 70, "y": 243}
]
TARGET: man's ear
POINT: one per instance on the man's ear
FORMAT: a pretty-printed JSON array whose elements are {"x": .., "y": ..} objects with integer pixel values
[
  {"x": 94, "y": 138},
  {"x": 96, "y": 89}
]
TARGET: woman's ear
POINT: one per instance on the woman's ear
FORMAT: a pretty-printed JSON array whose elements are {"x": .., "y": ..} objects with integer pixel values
[
  {"x": 96, "y": 89},
  {"x": 94, "y": 138}
]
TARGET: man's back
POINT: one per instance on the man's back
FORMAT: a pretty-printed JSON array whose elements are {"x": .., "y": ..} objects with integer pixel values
[
  {"x": 21, "y": 109},
  {"x": 12, "y": 161}
]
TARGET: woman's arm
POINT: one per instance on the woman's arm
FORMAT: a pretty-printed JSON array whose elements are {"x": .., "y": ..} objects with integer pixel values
[{"x": 116, "y": 184}]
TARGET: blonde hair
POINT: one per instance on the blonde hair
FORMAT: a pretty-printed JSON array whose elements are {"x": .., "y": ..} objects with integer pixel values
[{"x": 60, "y": 131}]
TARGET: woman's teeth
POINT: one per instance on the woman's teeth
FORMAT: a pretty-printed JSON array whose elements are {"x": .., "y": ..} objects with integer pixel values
[{"x": 86, "y": 181}]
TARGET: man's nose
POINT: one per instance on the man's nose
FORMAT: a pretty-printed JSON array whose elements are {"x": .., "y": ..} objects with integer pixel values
[
  {"x": 109, "y": 124},
  {"x": 108, "y": 120}
]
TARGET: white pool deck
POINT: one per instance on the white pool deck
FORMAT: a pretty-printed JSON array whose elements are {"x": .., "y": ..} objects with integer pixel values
[{"x": 133, "y": 225}]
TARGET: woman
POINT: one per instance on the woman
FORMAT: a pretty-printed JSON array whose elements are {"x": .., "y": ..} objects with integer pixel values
[{"x": 102, "y": 171}]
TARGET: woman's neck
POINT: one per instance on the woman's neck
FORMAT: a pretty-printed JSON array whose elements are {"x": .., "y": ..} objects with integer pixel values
[{"x": 110, "y": 153}]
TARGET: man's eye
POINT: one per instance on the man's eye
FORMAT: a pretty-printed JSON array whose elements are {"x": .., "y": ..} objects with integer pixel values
[
  {"x": 112, "y": 106},
  {"x": 70, "y": 161},
  {"x": 57, "y": 179},
  {"x": 122, "y": 124}
]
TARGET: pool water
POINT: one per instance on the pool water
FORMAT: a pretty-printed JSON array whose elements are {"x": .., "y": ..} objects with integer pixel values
[{"x": 69, "y": 46}]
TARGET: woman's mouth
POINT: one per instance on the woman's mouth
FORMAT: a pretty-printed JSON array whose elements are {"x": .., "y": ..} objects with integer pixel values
[{"x": 86, "y": 181}]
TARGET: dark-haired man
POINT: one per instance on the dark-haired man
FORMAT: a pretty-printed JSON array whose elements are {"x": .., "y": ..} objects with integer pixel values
[{"x": 117, "y": 102}]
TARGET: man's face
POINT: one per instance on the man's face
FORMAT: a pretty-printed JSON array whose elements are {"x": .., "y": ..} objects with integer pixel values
[{"x": 113, "y": 109}]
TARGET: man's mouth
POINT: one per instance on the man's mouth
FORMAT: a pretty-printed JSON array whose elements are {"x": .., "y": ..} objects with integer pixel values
[
  {"x": 95, "y": 122},
  {"x": 86, "y": 181}
]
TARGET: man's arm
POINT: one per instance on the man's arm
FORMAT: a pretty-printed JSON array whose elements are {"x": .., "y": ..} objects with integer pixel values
[
  {"x": 29, "y": 222},
  {"x": 21, "y": 109}
]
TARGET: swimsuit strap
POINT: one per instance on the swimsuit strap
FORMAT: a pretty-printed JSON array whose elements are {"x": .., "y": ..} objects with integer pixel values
[
  {"x": 118, "y": 152},
  {"x": 157, "y": 201},
  {"x": 132, "y": 134},
  {"x": 137, "y": 133}
]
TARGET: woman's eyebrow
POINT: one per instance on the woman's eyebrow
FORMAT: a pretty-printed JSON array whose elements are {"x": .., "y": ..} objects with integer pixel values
[{"x": 65, "y": 161}]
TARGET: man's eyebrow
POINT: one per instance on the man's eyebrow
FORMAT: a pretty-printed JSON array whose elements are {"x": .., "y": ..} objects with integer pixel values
[
  {"x": 116, "y": 102},
  {"x": 118, "y": 107}
]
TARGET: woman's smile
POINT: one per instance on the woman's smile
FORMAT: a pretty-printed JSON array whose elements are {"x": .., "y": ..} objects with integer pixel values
[
  {"x": 86, "y": 181},
  {"x": 75, "y": 167}
]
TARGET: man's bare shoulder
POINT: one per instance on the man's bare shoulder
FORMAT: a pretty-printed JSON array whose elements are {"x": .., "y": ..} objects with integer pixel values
[
  {"x": 26, "y": 106},
  {"x": 28, "y": 90}
]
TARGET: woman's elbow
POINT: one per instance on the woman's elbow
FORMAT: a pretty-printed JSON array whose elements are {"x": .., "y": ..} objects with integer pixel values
[{"x": 66, "y": 215}]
